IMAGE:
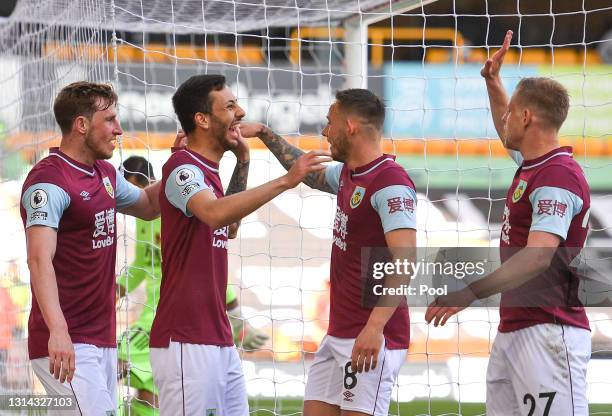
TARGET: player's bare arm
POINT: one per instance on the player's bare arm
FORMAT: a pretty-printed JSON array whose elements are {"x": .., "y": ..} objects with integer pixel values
[
  {"x": 232, "y": 208},
  {"x": 498, "y": 98},
  {"x": 525, "y": 265},
  {"x": 147, "y": 205},
  {"x": 369, "y": 341},
  {"x": 285, "y": 153},
  {"x": 41, "y": 244},
  {"x": 238, "y": 181}
]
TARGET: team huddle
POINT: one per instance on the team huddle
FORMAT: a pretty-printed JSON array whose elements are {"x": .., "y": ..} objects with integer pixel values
[{"x": 183, "y": 345}]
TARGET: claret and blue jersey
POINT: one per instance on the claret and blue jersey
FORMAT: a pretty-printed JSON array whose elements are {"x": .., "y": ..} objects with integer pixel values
[
  {"x": 550, "y": 194},
  {"x": 372, "y": 200},
  {"x": 81, "y": 203}
]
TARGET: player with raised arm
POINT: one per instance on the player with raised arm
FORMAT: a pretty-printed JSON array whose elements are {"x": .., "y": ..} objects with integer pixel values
[
  {"x": 68, "y": 207},
  {"x": 359, "y": 359},
  {"x": 195, "y": 365},
  {"x": 539, "y": 358},
  {"x": 146, "y": 268}
]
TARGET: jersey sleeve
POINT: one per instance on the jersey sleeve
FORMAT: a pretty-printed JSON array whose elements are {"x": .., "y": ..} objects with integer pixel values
[
  {"x": 553, "y": 209},
  {"x": 183, "y": 183},
  {"x": 44, "y": 204},
  {"x": 396, "y": 206},
  {"x": 126, "y": 193},
  {"x": 332, "y": 175}
]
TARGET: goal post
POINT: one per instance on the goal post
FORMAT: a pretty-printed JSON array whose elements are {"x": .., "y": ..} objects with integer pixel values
[{"x": 356, "y": 40}]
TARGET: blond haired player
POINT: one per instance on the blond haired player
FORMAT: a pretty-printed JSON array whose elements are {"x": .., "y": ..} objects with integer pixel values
[{"x": 539, "y": 358}]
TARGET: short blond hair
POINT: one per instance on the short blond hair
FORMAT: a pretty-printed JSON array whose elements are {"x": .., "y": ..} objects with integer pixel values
[{"x": 546, "y": 97}]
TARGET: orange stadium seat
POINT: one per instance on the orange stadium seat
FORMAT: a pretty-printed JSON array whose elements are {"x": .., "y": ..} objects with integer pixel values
[
  {"x": 564, "y": 56},
  {"x": 438, "y": 55},
  {"x": 534, "y": 56}
]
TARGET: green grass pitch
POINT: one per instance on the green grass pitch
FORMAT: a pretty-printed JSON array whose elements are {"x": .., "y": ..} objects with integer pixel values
[{"x": 293, "y": 407}]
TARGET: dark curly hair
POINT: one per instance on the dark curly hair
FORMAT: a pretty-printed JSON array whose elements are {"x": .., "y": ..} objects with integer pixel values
[{"x": 192, "y": 97}]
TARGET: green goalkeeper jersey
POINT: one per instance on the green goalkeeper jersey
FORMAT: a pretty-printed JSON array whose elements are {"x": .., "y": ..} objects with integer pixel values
[{"x": 147, "y": 267}]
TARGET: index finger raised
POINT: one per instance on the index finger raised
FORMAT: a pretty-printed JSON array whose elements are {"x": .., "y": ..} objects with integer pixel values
[{"x": 499, "y": 55}]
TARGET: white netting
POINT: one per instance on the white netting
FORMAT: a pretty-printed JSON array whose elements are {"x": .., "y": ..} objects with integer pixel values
[
  {"x": 189, "y": 16},
  {"x": 285, "y": 60}
]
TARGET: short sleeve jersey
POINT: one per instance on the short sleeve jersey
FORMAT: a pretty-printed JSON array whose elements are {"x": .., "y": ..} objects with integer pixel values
[
  {"x": 191, "y": 306},
  {"x": 80, "y": 202},
  {"x": 372, "y": 200},
  {"x": 548, "y": 194}
]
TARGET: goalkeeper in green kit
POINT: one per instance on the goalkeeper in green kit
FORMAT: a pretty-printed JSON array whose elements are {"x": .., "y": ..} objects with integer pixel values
[{"x": 147, "y": 268}]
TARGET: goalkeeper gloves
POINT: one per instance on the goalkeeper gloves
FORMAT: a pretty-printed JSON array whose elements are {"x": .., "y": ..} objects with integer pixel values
[{"x": 245, "y": 336}]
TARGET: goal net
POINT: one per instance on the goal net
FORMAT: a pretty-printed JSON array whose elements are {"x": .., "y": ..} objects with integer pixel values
[{"x": 285, "y": 60}]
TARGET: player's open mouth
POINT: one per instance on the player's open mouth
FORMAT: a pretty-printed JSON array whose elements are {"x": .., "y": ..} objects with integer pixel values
[{"x": 233, "y": 130}]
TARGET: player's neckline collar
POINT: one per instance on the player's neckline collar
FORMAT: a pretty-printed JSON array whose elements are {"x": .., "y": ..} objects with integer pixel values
[
  {"x": 89, "y": 170},
  {"x": 560, "y": 151},
  {"x": 206, "y": 162},
  {"x": 367, "y": 168}
]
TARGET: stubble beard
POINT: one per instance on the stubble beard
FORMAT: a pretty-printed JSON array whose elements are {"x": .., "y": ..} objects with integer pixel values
[
  {"x": 97, "y": 153},
  {"x": 219, "y": 131}
]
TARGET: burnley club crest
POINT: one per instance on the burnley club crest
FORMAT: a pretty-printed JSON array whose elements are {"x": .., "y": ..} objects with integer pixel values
[
  {"x": 519, "y": 191},
  {"x": 357, "y": 196},
  {"x": 108, "y": 186}
]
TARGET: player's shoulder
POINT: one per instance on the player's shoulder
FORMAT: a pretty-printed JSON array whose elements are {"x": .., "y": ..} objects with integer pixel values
[
  {"x": 47, "y": 170},
  {"x": 178, "y": 157},
  {"x": 391, "y": 173},
  {"x": 564, "y": 173}
]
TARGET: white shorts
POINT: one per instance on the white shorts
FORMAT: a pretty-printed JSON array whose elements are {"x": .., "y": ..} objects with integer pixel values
[
  {"x": 94, "y": 384},
  {"x": 195, "y": 379},
  {"x": 539, "y": 371},
  {"x": 330, "y": 379}
]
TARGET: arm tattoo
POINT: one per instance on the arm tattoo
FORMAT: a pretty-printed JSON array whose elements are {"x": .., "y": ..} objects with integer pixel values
[
  {"x": 287, "y": 155},
  {"x": 238, "y": 181}
]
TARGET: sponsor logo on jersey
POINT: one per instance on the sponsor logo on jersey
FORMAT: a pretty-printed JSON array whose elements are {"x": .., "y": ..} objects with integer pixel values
[
  {"x": 211, "y": 412},
  {"x": 104, "y": 223},
  {"x": 184, "y": 176},
  {"x": 107, "y": 242},
  {"x": 108, "y": 186},
  {"x": 38, "y": 199},
  {"x": 220, "y": 242},
  {"x": 519, "y": 191},
  {"x": 340, "y": 229},
  {"x": 357, "y": 196},
  {"x": 506, "y": 227},
  {"x": 348, "y": 396},
  {"x": 85, "y": 195}
]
